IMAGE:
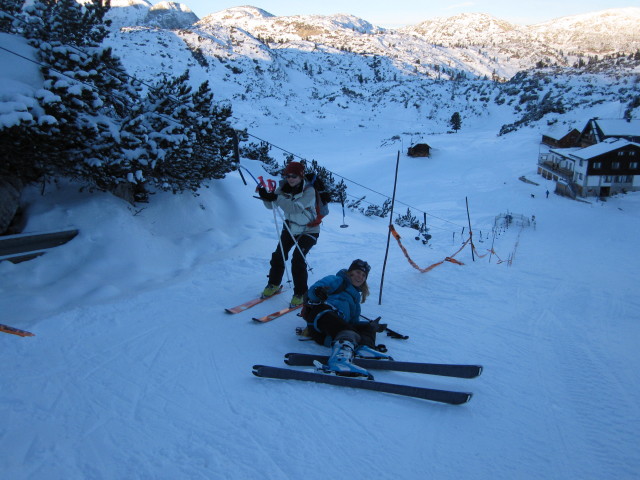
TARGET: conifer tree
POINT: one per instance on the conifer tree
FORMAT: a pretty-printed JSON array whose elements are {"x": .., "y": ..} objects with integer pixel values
[
  {"x": 12, "y": 8},
  {"x": 456, "y": 121},
  {"x": 89, "y": 121}
]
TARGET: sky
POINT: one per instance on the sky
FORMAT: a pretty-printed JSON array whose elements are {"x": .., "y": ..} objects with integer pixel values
[{"x": 410, "y": 12}]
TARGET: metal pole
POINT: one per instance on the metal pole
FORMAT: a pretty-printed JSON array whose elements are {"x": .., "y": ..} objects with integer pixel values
[
  {"x": 236, "y": 154},
  {"x": 386, "y": 255},
  {"x": 470, "y": 231}
]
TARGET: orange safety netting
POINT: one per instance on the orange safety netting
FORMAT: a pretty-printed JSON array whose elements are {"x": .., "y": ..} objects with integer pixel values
[{"x": 396, "y": 235}]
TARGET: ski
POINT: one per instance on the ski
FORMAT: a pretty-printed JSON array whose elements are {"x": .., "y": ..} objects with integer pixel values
[
  {"x": 442, "y": 369},
  {"x": 274, "y": 315},
  {"x": 15, "y": 331},
  {"x": 442, "y": 396},
  {"x": 251, "y": 303}
]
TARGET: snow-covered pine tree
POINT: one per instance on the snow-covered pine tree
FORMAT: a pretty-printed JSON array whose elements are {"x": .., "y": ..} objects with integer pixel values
[
  {"x": 12, "y": 9},
  {"x": 89, "y": 123},
  {"x": 169, "y": 134},
  {"x": 187, "y": 137},
  {"x": 213, "y": 144},
  {"x": 85, "y": 91}
]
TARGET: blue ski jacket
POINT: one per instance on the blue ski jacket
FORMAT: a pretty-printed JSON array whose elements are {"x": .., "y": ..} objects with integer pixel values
[{"x": 344, "y": 297}]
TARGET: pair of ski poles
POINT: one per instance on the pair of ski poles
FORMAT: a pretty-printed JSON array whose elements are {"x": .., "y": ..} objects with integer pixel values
[{"x": 277, "y": 227}]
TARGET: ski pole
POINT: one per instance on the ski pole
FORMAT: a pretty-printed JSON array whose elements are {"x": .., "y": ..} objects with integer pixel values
[
  {"x": 284, "y": 258},
  {"x": 249, "y": 172},
  {"x": 390, "y": 333},
  {"x": 295, "y": 242}
]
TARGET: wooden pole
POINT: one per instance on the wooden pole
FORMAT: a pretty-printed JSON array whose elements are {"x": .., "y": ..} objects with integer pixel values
[{"x": 386, "y": 255}]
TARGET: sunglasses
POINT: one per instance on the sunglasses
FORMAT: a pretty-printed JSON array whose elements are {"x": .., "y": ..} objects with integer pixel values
[{"x": 291, "y": 175}]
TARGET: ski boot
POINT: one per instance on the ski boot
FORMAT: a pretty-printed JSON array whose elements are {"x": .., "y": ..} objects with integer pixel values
[
  {"x": 341, "y": 361},
  {"x": 270, "y": 290},
  {"x": 296, "y": 301},
  {"x": 364, "y": 351}
]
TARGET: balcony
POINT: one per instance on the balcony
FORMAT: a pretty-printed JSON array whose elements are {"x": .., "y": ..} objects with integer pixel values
[{"x": 552, "y": 171}]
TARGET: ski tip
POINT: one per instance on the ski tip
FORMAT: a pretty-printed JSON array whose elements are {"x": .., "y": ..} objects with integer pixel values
[{"x": 257, "y": 370}]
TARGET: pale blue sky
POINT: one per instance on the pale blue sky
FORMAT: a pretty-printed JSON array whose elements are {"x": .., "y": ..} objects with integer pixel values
[{"x": 394, "y": 13}]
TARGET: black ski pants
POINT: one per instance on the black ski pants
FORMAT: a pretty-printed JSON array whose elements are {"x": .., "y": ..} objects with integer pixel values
[
  {"x": 298, "y": 264},
  {"x": 331, "y": 326}
]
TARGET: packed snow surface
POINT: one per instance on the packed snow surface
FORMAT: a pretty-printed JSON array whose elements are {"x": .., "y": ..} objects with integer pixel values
[{"x": 135, "y": 370}]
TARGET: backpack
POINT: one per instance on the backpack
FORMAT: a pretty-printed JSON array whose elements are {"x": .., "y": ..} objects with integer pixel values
[{"x": 323, "y": 197}]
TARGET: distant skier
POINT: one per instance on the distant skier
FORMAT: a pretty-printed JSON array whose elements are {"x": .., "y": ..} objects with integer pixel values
[
  {"x": 298, "y": 202},
  {"x": 547, "y": 193},
  {"x": 332, "y": 312}
]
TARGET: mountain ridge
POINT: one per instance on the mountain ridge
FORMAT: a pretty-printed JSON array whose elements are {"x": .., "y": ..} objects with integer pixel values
[{"x": 324, "y": 65}]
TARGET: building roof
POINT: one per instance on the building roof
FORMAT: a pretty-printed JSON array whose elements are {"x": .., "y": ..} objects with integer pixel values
[
  {"x": 559, "y": 132},
  {"x": 609, "y": 145},
  {"x": 619, "y": 127}
]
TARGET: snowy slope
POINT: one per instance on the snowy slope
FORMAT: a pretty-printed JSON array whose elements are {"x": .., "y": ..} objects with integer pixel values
[{"x": 136, "y": 372}]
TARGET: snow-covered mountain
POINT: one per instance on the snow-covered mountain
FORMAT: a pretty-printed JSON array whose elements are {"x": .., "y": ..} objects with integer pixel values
[
  {"x": 322, "y": 66},
  {"x": 604, "y": 32},
  {"x": 167, "y": 15}
]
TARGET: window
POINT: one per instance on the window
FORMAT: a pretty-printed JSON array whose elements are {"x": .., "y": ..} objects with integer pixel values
[
  {"x": 608, "y": 179},
  {"x": 632, "y": 153},
  {"x": 621, "y": 153},
  {"x": 597, "y": 164},
  {"x": 615, "y": 165},
  {"x": 633, "y": 165}
]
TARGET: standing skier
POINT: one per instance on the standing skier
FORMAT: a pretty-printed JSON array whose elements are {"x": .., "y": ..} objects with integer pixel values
[
  {"x": 297, "y": 199},
  {"x": 333, "y": 318}
]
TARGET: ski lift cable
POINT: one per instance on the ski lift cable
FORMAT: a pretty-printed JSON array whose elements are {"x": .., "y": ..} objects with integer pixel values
[
  {"x": 175, "y": 121},
  {"x": 354, "y": 182},
  {"x": 113, "y": 96},
  {"x": 78, "y": 49}
]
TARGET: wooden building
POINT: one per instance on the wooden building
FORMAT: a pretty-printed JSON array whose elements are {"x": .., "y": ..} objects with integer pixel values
[
  {"x": 419, "y": 150},
  {"x": 603, "y": 169},
  {"x": 561, "y": 138},
  {"x": 598, "y": 130}
]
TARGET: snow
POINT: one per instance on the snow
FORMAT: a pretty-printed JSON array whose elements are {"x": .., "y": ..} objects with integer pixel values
[
  {"x": 608, "y": 145},
  {"x": 136, "y": 371}
]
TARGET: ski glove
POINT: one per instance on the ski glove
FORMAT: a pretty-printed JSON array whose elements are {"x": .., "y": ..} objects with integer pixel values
[
  {"x": 377, "y": 326},
  {"x": 267, "y": 196},
  {"x": 321, "y": 292}
]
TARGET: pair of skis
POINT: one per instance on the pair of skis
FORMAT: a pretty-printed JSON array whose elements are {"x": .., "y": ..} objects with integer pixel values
[
  {"x": 442, "y": 396},
  {"x": 267, "y": 318}
]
